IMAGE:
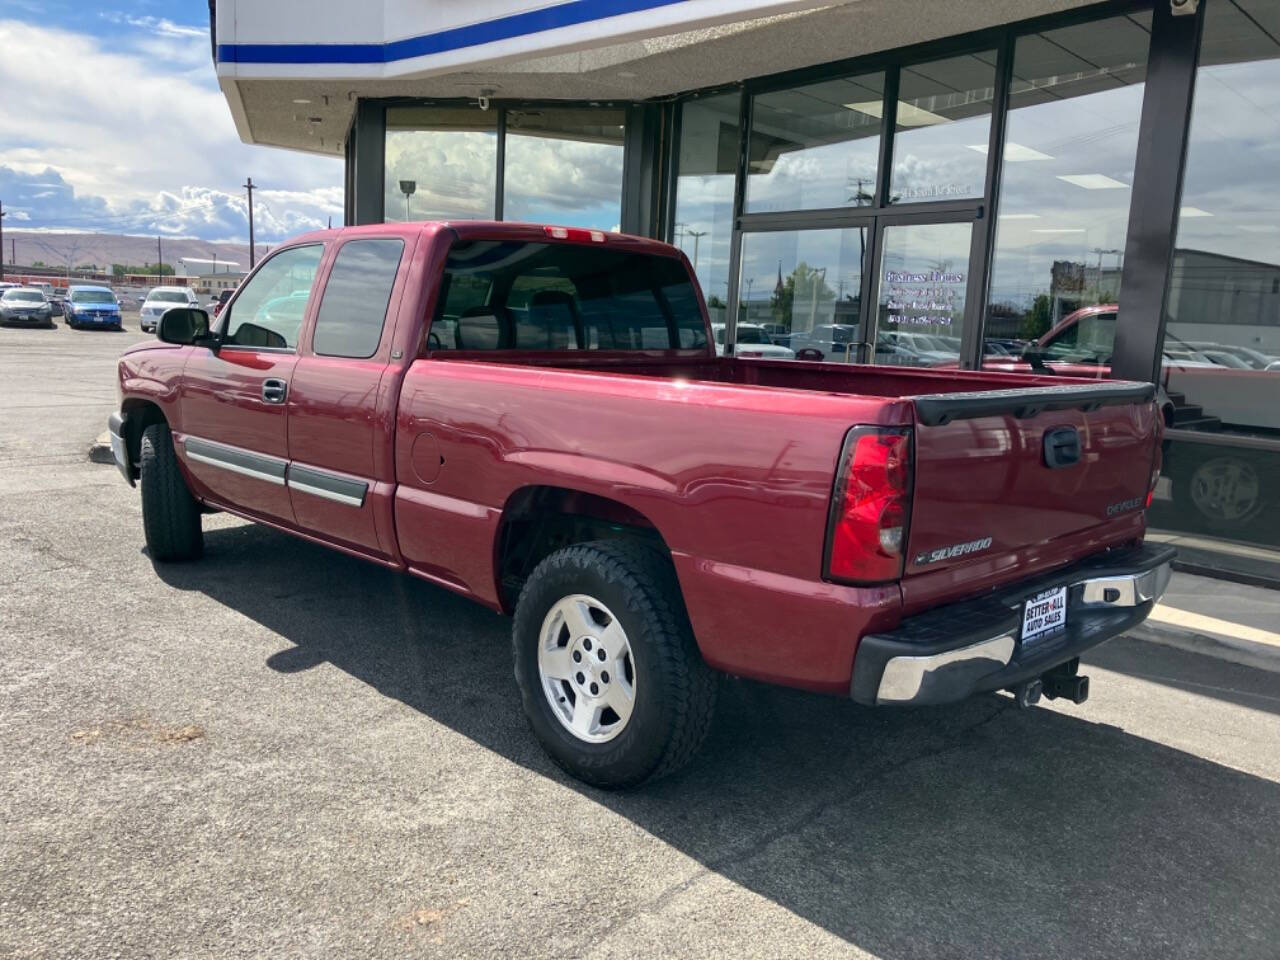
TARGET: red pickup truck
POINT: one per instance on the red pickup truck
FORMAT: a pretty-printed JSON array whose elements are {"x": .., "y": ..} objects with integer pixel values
[{"x": 536, "y": 418}]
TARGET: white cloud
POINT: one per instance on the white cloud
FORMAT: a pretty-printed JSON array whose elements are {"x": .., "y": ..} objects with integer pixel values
[
  {"x": 133, "y": 135},
  {"x": 160, "y": 26}
]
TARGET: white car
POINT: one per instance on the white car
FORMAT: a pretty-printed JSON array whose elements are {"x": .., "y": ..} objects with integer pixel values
[
  {"x": 752, "y": 341},
  {"x": 165, "y": 298}
]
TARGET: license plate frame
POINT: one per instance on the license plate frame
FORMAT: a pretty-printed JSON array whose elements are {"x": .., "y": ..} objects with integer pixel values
[{"x": 1044, "y": 615}]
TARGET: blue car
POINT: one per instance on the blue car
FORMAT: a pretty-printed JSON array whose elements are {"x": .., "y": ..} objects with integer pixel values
[{"x": 92, "y": 307}]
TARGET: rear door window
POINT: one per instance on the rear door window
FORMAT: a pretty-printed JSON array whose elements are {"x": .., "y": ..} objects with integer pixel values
[
  {"x": 549, "y": 296},
  {"x": 353, "y": 308}
]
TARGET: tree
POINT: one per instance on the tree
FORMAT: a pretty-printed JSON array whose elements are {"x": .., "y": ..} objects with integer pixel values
[
  {"x": 1038, "y": 320},
  {"x": 811, "y": 285},
  {"x": 714, "y": 302}
]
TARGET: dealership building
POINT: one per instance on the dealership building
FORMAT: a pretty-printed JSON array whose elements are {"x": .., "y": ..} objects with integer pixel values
[{"x": 1012, "y": 184}]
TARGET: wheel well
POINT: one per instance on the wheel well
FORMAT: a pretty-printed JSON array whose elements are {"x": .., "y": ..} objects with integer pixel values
[
  {"x": 539, "y": 520},
  {"x": 139, "y": 414}
]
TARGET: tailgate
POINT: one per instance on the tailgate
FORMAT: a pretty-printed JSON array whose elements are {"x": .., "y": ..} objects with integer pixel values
[{"x": 1000, "y": 471}]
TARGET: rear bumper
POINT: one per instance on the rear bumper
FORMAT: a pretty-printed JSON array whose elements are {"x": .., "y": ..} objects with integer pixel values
[{"x": 961, "y": 649}]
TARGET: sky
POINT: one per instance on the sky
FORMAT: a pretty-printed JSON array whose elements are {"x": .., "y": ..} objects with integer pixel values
[{"x": 112, "y": 122}]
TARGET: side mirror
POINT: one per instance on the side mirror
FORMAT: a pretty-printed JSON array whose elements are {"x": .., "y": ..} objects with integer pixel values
[{"x": 183, "y": 325}]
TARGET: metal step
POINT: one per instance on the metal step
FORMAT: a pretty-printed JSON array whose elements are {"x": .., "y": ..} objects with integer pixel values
[{"x": 1207, "y": 424}]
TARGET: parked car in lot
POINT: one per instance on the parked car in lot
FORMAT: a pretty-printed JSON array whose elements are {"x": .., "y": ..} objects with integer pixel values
[
  {"x": 537, "y": 419},
  {"x": 161, "y": 299},
  {"x": 830, "y": 341},
  {"x": 220, "y": 301},
  {"x": 752, "y": 341},
  {"x": 90, "y": 306},
  {"x": 25, "y": 306}
]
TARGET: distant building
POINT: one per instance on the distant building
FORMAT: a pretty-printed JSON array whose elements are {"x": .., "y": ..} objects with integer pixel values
[
  {"x": 208, "y": 266},
  {"x": 213, "y": 282}
]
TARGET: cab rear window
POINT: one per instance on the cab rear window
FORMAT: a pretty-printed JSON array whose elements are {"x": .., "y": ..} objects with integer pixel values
[{"x": 500, "y": 295}]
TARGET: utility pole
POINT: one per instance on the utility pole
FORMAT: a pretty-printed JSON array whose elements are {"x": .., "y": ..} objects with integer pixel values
[
  {"x": 2, "y": 216},
  {"x": 248, "y": 185},
  {"x": 159, "y": 258}
]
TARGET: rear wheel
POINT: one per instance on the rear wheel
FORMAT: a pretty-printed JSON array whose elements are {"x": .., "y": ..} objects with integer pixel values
[
  {"x": 170, "y": 514},
  {"x": 609, "y": 674}
]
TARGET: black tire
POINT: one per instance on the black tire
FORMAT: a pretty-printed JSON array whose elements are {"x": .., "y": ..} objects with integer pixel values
[
  {"x": 675, "y": 691},
  {"x": 170, "y": 514}
]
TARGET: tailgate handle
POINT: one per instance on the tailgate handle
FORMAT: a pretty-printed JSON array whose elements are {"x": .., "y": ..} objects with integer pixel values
[{"x": 1061, "y": 447}]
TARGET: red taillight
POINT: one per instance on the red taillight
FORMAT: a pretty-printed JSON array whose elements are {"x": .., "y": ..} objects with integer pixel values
[
  {"x": 1157, "y": 459},
  {"x": 869, "y": 510}
]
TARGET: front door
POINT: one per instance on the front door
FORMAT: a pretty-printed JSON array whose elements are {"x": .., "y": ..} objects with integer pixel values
[
  {"x": 234, "y": 400},
  {"x": 917, "y": 313}
]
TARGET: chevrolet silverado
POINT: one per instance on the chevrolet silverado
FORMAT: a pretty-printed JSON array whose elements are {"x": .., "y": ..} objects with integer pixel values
[{"x": 537, "y": 418}]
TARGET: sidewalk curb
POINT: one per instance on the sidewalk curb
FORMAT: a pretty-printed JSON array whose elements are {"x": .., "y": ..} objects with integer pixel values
[
  {"x": 1247, "y": 653},
  {"x": 100, "y": 450}
]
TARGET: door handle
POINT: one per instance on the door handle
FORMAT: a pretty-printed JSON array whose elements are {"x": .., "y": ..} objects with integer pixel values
[{"x": 274, "y": 391}]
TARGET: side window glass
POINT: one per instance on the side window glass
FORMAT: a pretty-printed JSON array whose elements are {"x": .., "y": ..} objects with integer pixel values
[
  {"x": 269, "y": 309},
  {"x": 353, "y": 307}
]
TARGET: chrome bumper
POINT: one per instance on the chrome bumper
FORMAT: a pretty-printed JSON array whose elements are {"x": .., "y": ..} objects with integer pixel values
[{"x": 962, "y": 649}]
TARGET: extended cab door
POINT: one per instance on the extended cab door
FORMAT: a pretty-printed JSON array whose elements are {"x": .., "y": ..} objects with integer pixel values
[
  {"x": 342, "y": 405},
  {"x": 234, "y": 401}
]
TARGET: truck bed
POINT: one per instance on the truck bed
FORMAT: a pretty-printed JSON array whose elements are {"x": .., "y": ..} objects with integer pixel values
[{"x": 732, "y": 462}]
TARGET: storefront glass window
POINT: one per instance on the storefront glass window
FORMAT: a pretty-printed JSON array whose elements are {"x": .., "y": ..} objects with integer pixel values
[
  {"x": 564, "y": 166},
  {"x": 440, "y": 163},
  {"x": 1070, "y": 144},
  {"x": 815, "y": 146},
  {"x": 1222, "y": 340},
  {"x": 799, "y": 295},
  {"x": 704, "y": 192},
  {"x": 942, "y": 127}
]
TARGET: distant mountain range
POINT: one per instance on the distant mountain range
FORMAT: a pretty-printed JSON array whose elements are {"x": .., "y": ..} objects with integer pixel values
[{"x": 23, "y": 248}]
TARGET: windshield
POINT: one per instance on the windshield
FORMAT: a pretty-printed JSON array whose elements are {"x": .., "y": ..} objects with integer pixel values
[
  {"x": 26, "y": 296},
  {"x": 93, "y": 296},
  {"x": 167, "y": 296}
]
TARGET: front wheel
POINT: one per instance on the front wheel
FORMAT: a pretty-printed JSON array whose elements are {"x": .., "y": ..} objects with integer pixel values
[
  {"x": 170, "y": 514},
  {"x": 609, "y": 674}
]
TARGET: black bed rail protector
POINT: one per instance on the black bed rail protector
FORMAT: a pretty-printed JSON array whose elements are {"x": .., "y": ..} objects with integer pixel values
[{"x": 936, "y": 409}]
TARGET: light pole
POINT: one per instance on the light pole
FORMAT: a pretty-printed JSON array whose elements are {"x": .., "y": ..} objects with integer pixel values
[
  {"x": 2, "y": 216},
  {"x": 697, "y": 235},
  {"x": 408, "y": 188}
]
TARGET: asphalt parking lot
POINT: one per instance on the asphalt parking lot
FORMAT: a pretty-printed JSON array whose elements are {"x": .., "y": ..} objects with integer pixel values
[{"x": 282, "y": 751}]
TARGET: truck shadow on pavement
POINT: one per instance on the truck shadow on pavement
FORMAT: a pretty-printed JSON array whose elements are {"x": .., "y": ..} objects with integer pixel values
[{"x": 974, "y": 831}]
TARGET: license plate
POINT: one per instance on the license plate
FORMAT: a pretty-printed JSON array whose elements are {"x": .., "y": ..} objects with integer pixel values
[{"x": 1044, "y": 613}]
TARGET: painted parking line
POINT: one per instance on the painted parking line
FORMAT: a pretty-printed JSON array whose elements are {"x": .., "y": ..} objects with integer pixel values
[{"x": 1203, "y": 624}]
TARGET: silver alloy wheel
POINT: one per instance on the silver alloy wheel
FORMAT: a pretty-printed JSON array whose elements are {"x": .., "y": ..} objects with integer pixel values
[
  {"x": 1225, "y": 489},
  {"x": 586, "y": 668}
]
